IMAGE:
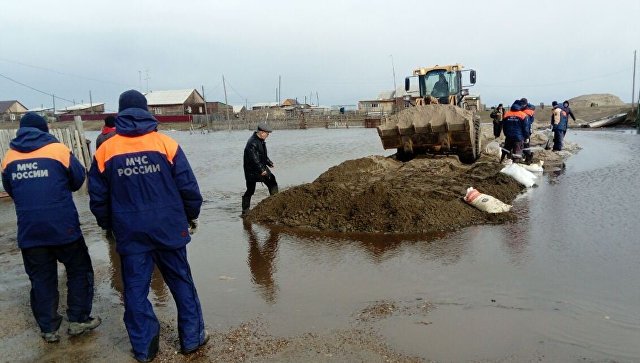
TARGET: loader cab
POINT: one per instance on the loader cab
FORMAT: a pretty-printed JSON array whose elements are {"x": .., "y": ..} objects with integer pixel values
[{"x": 445, "y": 85}]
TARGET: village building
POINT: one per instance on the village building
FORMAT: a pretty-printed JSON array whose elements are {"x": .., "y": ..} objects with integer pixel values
[
  {"x": 219, "y": 108},
  {"x": 11, "y": 110},
  {"x": 240, "y": 111},
  {"x": 82, "y": 109},
  {"x": 175, "y": 102},
  {"x": 264, "y": 105},
  {"x": 385, "y": 104}
]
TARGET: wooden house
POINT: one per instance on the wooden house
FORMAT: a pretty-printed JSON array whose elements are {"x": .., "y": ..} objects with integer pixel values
[
  {"x": 11, "y": 110},
  {"x": 176, "y": 102}
]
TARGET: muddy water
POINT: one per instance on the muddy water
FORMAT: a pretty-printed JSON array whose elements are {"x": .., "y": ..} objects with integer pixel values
[{"x": 561, "y": 284}]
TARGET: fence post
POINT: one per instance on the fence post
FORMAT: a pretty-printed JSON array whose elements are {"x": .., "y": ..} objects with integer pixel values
[{"x": 84, "y": 148}]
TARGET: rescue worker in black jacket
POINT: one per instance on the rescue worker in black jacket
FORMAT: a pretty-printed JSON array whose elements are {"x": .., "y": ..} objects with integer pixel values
[{"x": 256, "y": 166}]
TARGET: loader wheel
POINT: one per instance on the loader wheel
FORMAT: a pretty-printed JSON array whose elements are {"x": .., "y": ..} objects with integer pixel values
[
  {"x": 473, "y": 153},
  {"x": 477, "y": 147}
]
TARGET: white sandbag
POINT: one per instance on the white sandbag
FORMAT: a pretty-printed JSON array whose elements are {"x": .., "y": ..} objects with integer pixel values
[
  {"x": 522, "y": 175},
  {"x": 534, "y": 168},
  {"x": 485, "y": 202},
  {"x": 493, "y": 149}
]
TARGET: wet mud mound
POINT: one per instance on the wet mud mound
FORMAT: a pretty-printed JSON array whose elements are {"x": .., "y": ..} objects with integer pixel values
[{"x": 382, "y": 195}]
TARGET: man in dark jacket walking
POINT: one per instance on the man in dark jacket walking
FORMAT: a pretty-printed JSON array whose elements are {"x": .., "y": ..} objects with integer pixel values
[
  {"x": 40, "y": 174},
  {"x": 256, "y": 165},
  {"x": 141, "y": 187}
]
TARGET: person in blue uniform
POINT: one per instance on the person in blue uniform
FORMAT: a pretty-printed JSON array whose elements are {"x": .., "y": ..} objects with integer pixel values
[
  {"x": 142, "y": 188},
  {"x": 40, "y": 174}
]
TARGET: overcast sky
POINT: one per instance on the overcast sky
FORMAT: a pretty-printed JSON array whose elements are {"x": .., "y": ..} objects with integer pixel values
[{"x": 337, "y": 51}]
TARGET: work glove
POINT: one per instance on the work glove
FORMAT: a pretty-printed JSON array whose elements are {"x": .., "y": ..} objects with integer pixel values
[{"x": 193, "y": 226}]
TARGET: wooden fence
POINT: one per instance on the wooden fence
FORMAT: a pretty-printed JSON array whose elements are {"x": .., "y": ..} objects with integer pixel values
[
  {"x": 210, "y": 123},
  {"x": 72, "y": 136}
]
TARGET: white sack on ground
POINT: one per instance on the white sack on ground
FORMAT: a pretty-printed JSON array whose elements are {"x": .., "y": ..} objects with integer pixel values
[
  {"x": 485, "y": 202},
  {"x": 522, "y": 175},
  {"x": 534, "y": 168},
  {"x": 493, "y": 148}
]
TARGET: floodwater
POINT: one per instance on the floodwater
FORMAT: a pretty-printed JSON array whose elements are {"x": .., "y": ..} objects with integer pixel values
[{"x": 561, "y": 284}]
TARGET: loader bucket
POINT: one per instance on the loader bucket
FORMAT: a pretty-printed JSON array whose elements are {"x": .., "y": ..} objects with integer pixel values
[{"x": 432, "y": 129}]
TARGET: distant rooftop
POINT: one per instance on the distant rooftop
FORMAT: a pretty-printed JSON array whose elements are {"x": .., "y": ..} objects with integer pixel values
[
  {"x": 80, "y": 106},
  {"x": 169, "y": 97}
]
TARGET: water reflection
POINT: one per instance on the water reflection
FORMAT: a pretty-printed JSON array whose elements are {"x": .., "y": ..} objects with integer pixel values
[
  {"x": 376, "y": 248},
  {"x": 261, "y": 261},
  {"x": 157, "y": 283}
]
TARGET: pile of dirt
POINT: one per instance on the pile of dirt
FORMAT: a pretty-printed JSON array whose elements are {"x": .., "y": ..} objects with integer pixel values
[
  {"x": 382, "y": 195},
  {"x": 594, "y": 100},
  {"x": 434, "y": 114}
]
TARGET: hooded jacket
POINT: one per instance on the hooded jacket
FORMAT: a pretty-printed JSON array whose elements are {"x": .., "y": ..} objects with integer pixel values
[
  {"x": 142, "y": 187},
  {"x": 514, "y": 123},
  {"x": 40, "y": 174},
  {"x": 255, "y": 160},
  {"x": 559, "y": 119},
  {"x": 106, "y": 133}
]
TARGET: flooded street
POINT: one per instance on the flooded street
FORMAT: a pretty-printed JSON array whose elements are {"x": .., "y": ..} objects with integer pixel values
[{"x": 560, "y": 284}]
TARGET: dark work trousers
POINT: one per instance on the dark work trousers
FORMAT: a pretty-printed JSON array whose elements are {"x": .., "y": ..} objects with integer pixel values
[
  {"x": 527, "y": 154},
  {"x": 558, "y": 137},
  {"x": 41, "y": 264},
  {"x": 139, "y": 318},
  {"x": 269, "y": 181}
]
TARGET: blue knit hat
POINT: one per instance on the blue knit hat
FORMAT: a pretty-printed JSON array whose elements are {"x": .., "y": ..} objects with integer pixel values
[
  {"x": 132, "y": 99},
  {"x": 32, "y": 119}
]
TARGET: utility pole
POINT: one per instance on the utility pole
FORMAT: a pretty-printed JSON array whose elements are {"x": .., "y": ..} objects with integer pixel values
[
  {"x": 633, "y": 88},
  {"x": 91, "y": 102},
  {"x": 140, "y": 80},
  {"x": 224, "y": 87},
  {"x": 54, "y": 105},
  {"x": 317, "y": 99},
  {"x": 279, "y": 89},
  {"x": 205, "y": 101}
]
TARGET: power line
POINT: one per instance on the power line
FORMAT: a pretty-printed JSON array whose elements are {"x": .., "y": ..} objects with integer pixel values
[
  {"x": 62, "y": 73},
  {"x": 35, "y": 89},
  {"x": 234, "y": 90}
]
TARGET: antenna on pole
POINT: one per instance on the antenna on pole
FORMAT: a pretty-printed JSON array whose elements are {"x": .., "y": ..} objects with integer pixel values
[
  {"x": 393, "y": 69},
  {"x": 146, "y": 78}
]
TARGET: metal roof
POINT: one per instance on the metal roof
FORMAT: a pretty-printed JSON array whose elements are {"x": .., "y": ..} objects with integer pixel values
[
  {"x": 169, "y": 97},
  {"x": 80, "y": 106}
]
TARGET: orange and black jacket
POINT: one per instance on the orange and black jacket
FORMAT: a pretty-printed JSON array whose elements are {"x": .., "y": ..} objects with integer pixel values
[
  {"x": 40, "y": 174},
  {"x": 142, "y": 187},
  {"x": 514, "y": 123}
]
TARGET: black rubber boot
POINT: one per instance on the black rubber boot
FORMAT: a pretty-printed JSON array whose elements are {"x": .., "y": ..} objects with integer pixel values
[
  {"x": 273, "y": 190},
  {"x": 246, "y": 202}
]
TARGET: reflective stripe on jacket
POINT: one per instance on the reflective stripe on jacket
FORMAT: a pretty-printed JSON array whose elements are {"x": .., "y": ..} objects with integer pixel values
[
  {"x": 40, "y": 174},
  {"x": 142, "y": 187}
]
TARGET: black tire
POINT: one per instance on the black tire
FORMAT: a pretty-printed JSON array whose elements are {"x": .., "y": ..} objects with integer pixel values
[
  {"x": 473, "y": 153},
  {"x": 477, "y": 145}
]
